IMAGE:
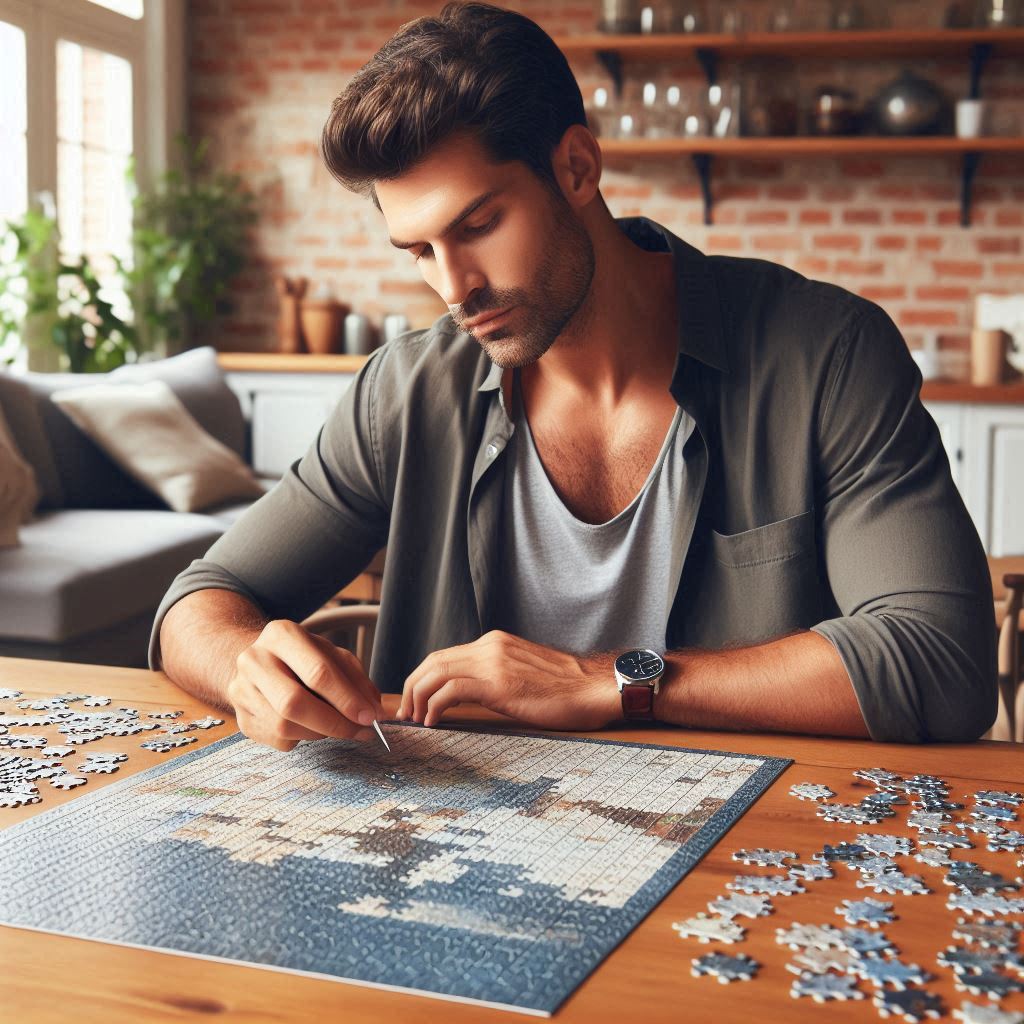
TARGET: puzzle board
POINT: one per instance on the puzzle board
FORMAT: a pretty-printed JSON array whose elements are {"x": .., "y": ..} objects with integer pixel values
[{"x": 490, "y": 867}]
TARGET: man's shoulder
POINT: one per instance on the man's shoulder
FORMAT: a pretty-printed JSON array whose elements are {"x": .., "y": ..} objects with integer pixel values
[
  {"x": 782, "y": 313},
  {"x": 440, "y": 359}
]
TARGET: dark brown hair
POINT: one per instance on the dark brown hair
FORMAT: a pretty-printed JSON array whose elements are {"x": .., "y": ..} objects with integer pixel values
[{"x": 475, "y": 67}]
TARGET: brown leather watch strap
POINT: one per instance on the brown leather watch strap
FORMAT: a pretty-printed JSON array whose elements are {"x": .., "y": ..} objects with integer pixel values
[{"x": 638, "y": 701}]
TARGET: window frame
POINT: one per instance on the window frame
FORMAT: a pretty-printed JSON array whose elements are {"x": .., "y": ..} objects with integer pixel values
[{"x": 154, "y": 47}]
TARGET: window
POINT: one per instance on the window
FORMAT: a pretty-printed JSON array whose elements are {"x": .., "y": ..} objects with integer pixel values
[
  {"x": 13, "y": 122},
  {"x": 94, "y": 145},
  {"x": 130, "y": 8}
]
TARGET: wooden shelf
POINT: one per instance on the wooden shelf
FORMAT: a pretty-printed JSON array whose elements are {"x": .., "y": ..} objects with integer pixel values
[
  {"x": 283, "y": 362},
  {"x": 867, "y": 43},
  {"x": 942, "y": 390},
  {"x": 795, "y": 145}
]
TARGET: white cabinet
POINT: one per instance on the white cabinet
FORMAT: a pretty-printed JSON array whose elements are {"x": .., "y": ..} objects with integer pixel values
[
  {"x": 286, "y": 411},
  {"x": 985, "y": 444}
]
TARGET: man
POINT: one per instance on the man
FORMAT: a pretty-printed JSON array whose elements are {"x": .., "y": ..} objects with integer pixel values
[{"x": 650, "y": 450}]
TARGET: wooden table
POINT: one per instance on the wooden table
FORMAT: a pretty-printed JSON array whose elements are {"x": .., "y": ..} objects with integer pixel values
[{"x": 53, "y": 978}]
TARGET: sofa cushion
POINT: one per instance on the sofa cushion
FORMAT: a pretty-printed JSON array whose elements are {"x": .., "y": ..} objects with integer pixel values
[
  {"x": 146, "y": 430},
  {"x": 20, "y": 406},
  {"x": 89, "y": 478},
  {"x": 19, "y": 492},
  {"x": 80, "y": 570}
]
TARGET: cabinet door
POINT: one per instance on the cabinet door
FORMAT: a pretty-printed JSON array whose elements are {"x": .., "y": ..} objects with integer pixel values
[
  {"x": 286, "y": 410},
  {"x": 949, "y": 418},
  {"x": 995, "y": 438}
]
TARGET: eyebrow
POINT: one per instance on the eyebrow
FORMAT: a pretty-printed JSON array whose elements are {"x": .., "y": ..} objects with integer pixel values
[{"x": 474, "y": 205}]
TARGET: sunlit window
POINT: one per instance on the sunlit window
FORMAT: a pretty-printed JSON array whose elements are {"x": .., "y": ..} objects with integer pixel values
[
  {"x": 13, "y": 166},
  {"x": 131, "y": 8},
  {"x": 94, "y": 144}
]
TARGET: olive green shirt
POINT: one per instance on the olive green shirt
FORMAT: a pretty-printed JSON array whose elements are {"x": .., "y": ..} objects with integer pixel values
[{"x": 818, "y": 496}]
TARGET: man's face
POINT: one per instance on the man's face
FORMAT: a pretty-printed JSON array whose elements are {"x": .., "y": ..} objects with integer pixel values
[{"x": 520, "y": 248}]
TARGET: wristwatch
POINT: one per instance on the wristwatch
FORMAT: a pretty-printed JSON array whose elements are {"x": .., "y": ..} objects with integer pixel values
[{"x": 637, "y": 674}]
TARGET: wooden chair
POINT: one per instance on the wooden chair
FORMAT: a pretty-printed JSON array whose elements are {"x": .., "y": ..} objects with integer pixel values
[
  {"x": 1010, "y": 723},
  {"x": 348, "y": 626}
]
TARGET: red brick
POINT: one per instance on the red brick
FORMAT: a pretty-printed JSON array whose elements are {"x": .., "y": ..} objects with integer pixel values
[
  {"x": 789, "y": 241},
  {"x": 793, "y": 193},
  {"x": 815, "y": 217},
  {"x": 862, "y": 167},
  {"x": 929, "y": 318},
  {"x": 1015, "y": 268},
  {"x": 810, "y": 266},
  {"x": 768, "y": 216},
  {"x": 722, "y": 241},
  {"x": 917, "y": 216},
  {"x": 1009, "y": 218},
  {"x": 942, "y": 293},
  {"x": 331, "y": 263},
  {"x": 862, "y": 217},
  {"x": 839, "y": 241},
  {"x": 861, "y": 268},
  {"x": 890, "y": 243},
  {"x": 957, "y": 268},
  {"x": 928, "y": 243},
  {"x": 882, "y": 292},
  {"x": 1002, "y": 244}
]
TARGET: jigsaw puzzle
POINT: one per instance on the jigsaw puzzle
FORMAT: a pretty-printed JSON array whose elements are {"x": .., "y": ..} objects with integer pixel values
[{"x": 493, "y": 867}]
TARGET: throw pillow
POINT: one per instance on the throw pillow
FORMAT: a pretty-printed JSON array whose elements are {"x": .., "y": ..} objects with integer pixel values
[
  {"x": 148, "y": 431},
  {"x": 19, "y": 491}
]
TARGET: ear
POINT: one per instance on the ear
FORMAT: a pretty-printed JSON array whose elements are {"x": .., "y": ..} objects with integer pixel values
[{"x": 576, "y": 162}]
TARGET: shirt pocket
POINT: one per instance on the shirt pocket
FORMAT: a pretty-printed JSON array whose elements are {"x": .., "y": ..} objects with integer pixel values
[{"x": 761, "y": 583}]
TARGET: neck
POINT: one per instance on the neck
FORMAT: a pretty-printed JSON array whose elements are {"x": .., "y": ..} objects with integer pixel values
[{"x": 624, "y": 338}]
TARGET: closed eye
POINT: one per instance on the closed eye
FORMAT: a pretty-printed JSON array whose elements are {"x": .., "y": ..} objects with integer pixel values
[{"x": 472, "y": 232}]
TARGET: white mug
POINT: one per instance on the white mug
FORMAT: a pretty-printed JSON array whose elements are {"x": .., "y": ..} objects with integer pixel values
[{"x": 970, "y": 115}]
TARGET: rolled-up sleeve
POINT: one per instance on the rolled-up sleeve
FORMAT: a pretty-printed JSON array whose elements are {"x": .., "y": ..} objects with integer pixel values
[
  {"x": 314, "y": 532},
  {"x": 904, "y": 561}
]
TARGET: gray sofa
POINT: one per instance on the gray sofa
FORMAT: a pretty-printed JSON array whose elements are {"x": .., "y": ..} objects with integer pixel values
[{"x": 101, "y": 550}]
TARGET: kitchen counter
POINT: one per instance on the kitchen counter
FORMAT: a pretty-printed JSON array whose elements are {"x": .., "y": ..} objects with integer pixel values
[{"x": 941, "y": 390}]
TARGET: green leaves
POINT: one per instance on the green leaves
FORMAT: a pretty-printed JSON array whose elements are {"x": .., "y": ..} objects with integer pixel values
[{"x": 190, "y": 239}]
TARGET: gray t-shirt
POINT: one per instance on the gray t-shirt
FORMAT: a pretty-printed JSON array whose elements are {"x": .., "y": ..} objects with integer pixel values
[{"x": 584, "y": 587}]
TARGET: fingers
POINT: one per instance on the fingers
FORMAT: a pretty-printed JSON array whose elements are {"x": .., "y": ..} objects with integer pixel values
[
  {"x": 332, "y": 674},
  {"x": 453, "y": 692},
  {"x": 258, "y": 720}
]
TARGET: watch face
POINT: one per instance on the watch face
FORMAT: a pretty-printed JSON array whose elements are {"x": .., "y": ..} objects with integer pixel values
[{"x": 639, "y": 666}]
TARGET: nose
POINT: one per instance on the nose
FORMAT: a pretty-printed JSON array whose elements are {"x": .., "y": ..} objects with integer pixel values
[{"x": 456, "y": 280}]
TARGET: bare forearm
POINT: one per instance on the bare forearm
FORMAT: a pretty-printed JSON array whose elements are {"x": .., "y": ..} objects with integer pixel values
[
  {"x": 795, "y": 684},
  {"x": 201, "y": 638}
]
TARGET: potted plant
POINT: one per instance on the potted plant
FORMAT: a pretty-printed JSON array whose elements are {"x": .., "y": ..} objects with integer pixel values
[
  {"x": 190, "y": 240},
  {"x": 54, "y": 306}
]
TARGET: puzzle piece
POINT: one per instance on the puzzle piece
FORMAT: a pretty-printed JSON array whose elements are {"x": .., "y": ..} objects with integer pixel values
[
  {"x": 724, "y": 967},
  {"x": 998, "y": 796},
  {"x": 934, "y": 858},
  {"x": 849, "y": 814},
  {"x": 874, "y": 865},
  {"x": 867, "y": 911},
  {"x": 769, "y": 885},
  {"x": 820, "y": 961},
  {"x": 810, "y": 791},
  {"x": 964, "y": 960},
  {"x": 1007, "y": 840},
  {"x": 737, "y": 905},
  {"x": 987, "y": 904},
  {"x": 826, "y": 987},
  {"x": 912, "y": 1004},
  {"x": 705, "y": 928},
  {"x": 881, "y": 972},
  {"x": 843, "y": 851},
  {"x": 987, "y": 983},
  {"x": 866, "y": 943},
  {"x": 764, "y": 858},
  {"x": 977, "y": 880},
  {"x": 945, "y": 841},
  {"x": 885, "y": 845},
  {"x": 810, "y": 936},
  {"x": 878, "y": 776},
  {"x": 972, "y": 1013},
  {"x": 810, "y": 872},
  {"x": 988, "y": 935},
  {"x": 895, "y": 884}
]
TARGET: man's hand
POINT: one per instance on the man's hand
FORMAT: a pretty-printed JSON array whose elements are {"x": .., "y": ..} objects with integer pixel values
[
  {"x": 290, "y": 685},
  {"x": 535, "y": 684}
]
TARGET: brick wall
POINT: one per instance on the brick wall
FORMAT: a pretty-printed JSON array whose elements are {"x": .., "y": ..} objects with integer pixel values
[{"x": 263, "y": 73}]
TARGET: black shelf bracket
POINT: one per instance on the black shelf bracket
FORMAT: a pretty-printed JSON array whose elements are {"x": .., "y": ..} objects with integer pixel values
[
  {"x": 979, "y": 55},
  {"x": 970, "y": 165},
  {"x": 702, "y": 163},
  {"x": 612, "y": 61},
  {"x": 709, "y": 62}
]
